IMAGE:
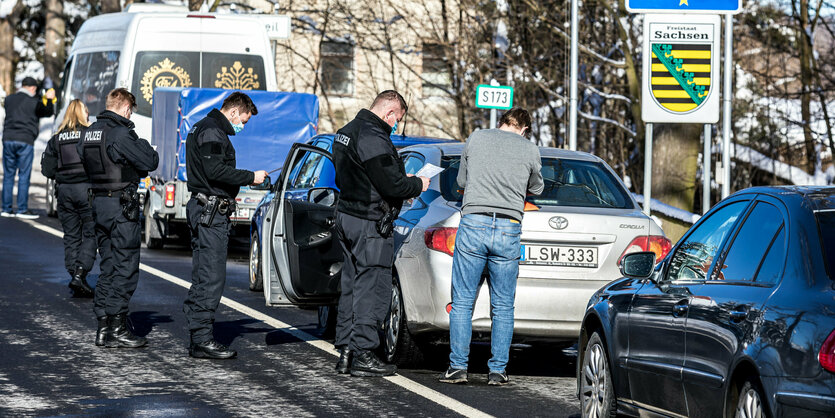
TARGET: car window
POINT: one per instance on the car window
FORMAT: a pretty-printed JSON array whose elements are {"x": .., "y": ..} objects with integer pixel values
[
  {"x": 751, "y": 243},
  {"x": 307, "y": 176},
  {"x": 693, "y": 257},
  {"x": 413, "y": 162},
  {"x": 94, "y": 76},
  {"x": 325, "y": 173},
  {"x": 772, "y": 268},
  {"x": 567, "y": 183},
  {"x": 826, "y": 230}
]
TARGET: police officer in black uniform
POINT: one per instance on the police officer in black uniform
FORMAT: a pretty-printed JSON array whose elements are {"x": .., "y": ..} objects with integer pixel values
[
  {"x": 115, "y": 159},
  {"x": 213, "y": 182},
  {"x": 60, "y": 162},
  {"x": 373, "y": 184}
]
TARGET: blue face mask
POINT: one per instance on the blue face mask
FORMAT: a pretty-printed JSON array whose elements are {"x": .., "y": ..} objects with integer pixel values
[
  {"x": 394, "y": 128},
  {"x": 238, "y": 127}
]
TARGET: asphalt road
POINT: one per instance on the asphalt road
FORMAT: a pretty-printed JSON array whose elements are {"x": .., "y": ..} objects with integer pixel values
[{"x": 50, "y": 366}]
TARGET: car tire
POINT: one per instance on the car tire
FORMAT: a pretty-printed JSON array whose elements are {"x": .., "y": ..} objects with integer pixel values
[
  {"x": 398, "y": 345},
  {"x": 597, "y": 393},
  {"x": 256, "y": 281},
  {"x": 51, "y": 200},
  {"x": 750, "y": 401}
]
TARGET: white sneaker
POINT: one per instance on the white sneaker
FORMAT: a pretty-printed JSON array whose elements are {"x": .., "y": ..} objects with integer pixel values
[
  {"x": 27, "y": 215},
  {"x": 7, "y": 214}
]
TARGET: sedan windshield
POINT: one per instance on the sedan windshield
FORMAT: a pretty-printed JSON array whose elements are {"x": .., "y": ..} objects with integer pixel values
[{"x": 567, "y": 183}]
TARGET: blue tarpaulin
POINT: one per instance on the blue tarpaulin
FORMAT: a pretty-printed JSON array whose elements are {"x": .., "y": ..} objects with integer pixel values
[{"x": 283, "y": 119}]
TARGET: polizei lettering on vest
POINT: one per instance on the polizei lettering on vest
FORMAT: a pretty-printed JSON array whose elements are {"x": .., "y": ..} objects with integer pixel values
[
  {"x": 92, "y": 136},
  {"x": 69, "y": 136}
]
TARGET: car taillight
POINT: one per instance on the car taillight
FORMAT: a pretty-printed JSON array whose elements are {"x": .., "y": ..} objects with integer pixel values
[
  {"x": 826, "y": 357},
  {"x": 656, "y": 243},
  {"x": 169, "y": 195},
  {"x": 441, "y": 239}
]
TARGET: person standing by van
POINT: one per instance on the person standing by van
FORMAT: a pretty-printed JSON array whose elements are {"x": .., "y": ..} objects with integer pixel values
[
  {"x": 60, "y": 162},
  {"x": 213, "y": 182},
  {"x": 115, "y": 158},
  {"x": 20, "y": 129},
  {"x": 498, "y": 168}
]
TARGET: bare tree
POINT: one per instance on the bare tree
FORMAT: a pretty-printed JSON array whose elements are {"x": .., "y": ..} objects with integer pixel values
[
  {"x": 54, "y": 47},
  {"x": 8, "y": 55}
]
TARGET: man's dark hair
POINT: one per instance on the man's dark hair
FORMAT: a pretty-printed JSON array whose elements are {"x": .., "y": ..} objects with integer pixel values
[
  {"x": 518, "y": 118},
  {"x": 240, "y": 101},
  {"x": 390, "y": 96},
  {"x": 120, "y": 97}
]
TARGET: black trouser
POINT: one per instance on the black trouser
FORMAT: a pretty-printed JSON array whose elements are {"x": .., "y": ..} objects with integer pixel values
[
  {"x": 78, "y": 224},
  {"x": 366, "y": 282},
  {"x": 208, "y": 271},
  {"x": 119, "y": 239}
]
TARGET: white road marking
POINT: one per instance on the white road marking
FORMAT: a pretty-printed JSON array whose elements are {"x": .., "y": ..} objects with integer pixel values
[{"x": 404, "y": 382}]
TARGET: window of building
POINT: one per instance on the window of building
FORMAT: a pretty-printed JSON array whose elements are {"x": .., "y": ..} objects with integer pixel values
[
  {"x": 337, "y": 68},
  {"x": 437, "y": 80}
]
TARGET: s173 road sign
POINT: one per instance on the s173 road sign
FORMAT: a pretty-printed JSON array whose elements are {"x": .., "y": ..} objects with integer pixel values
[
  {"x": 493, "y": 97},
  {"x": 684, "y": 6}
]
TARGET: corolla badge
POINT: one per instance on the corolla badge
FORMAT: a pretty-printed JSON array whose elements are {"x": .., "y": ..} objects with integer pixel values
[{"x": 558, "y": 222}]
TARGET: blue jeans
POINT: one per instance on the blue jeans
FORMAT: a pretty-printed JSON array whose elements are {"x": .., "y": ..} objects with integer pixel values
[
  {"x": 494, "y": 242},
  {"x": 17, "y": 159}
]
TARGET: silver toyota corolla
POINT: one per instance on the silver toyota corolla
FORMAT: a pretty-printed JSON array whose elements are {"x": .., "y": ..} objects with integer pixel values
[{"x": 573, "y": 236}]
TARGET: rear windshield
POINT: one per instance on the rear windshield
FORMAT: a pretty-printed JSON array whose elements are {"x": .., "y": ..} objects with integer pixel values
[
  {"x": 567, "y": 183},
  {"x": 826, "y": 228},
  {"x": 192, "y": 69}
]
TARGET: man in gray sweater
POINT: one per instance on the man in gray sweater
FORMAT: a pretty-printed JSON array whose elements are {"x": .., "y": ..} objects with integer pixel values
[{"x": 499, "y": 167}]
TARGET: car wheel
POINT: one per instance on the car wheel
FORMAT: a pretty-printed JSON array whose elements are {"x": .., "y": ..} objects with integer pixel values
[
  {"x": 51, "y": 201},
  {"x": 399, "y": 347},
  {"x": 596, "y": 392},
  {"x": 256, "y": 282},
  {"x": 750, "y": 401},
  {"x": 152, "y": 239}
]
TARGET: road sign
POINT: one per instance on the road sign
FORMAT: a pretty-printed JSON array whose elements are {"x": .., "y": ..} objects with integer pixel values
[
  {"x": 684, "y": 6},
  {"x": 493, "y": 97},
  {"x": 681, "y": 69},
  {"x": 277, "y": 26}
]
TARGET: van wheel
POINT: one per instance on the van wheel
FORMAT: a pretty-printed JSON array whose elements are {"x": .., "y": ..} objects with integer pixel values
[
  {"x": 153, "y": 236},
  {"x": 256, "y": 281},
  {"x": 51, "y": 200},
  {"x": 399, "y": 346},
  {"x": 597, "y": 394}
]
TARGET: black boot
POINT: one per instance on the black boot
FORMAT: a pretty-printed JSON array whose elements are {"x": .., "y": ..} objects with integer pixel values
[
  {"x": 118, "y": 335},
  {"x": 366, "y": 364},
  {"x": 78, "y": 284},
  {"x": 101, "y": 330},
  {"x": 211, "y": 349},
  {"x": 344, "y": 362}
]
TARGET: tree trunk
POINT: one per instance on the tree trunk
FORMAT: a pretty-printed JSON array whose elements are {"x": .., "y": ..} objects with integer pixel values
[
  {"x": 8, "y": 55},
  {"x": 675, "y": 161},
  {"x": 805, "y": 50},
  {"x": 56, "y": 28},
  {"x": 194, "y": 5},
  {"x": 111, "y": 6}
]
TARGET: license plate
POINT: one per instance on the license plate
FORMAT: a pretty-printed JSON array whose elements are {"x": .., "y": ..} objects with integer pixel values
[
  {"x": 242, "y": 213},
  {"x": 558, "y": 255}
]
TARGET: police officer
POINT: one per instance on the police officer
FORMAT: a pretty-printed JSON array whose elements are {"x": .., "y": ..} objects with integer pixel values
[
  {"x": 213, "y": 182},
  {"x": 61, "y": 163},
  {"x": 373, "y": 184},
  {"x": 115, "y": 158}
]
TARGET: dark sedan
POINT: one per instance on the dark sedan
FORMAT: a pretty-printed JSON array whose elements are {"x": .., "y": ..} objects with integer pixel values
[{"x": 738, "y": 320}]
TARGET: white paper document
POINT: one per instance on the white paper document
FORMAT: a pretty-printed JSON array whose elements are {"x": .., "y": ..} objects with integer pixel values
[{"x": 429, "y": 170}]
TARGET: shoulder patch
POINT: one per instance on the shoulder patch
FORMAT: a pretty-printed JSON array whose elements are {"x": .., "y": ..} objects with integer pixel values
[{"x": 342, "y": 139}]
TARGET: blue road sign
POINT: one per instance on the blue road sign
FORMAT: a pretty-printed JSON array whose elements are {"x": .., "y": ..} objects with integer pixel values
[{"x": 684, "y": 6}]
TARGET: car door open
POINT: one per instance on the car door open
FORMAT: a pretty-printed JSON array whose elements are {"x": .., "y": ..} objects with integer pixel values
[{"x": 305, "y": 257}]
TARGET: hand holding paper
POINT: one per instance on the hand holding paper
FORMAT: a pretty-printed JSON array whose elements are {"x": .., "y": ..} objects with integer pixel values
[{"x": 429, "y": 170}]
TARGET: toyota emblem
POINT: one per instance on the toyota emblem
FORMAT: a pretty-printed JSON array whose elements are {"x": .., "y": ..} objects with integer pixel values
[{"x": 558, "y": 222}]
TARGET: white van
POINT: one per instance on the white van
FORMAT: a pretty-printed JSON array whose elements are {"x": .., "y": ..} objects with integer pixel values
[{"x": 153, "y": 45}]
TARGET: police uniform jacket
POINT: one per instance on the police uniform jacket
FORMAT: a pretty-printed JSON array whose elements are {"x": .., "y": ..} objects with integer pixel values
[
  {"x": 114, "y": 157},
  {"x": 60, "y": 160},
  {"x": 369, "y": 172},
  {"x": 210, "y": 158}
]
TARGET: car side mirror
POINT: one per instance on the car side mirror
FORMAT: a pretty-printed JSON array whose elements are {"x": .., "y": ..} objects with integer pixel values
[
  {"x": 638, "y": 265},
  {"x": 322, "y": 196},
  {"x": 266, "y": 185}
]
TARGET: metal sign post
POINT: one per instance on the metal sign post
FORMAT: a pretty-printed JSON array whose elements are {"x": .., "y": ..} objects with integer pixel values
[
  {"x": 493, "y": 97},
  {"x": 572, "y": 89},
  {"x": 706, "y": 170},
  {"x": 727, "y": 96},
  {"x": 648, "y": 169}
]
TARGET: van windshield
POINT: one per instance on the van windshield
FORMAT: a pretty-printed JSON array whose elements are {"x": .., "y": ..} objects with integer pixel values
[
  {"x": 93, "y": 77},
  {"x": 154, "y": 69}
]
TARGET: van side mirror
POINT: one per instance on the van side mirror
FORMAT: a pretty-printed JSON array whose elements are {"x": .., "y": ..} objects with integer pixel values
[
  {"x": 266, "y": 185},
  {"x": 322, "y": 196},
  {"x": 638, "y": 265}
]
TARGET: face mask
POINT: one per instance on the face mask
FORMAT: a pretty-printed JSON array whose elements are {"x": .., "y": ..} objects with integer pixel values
[
  {"x": 394, "y": 128},
  {"x": 238, "y": 127}
]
